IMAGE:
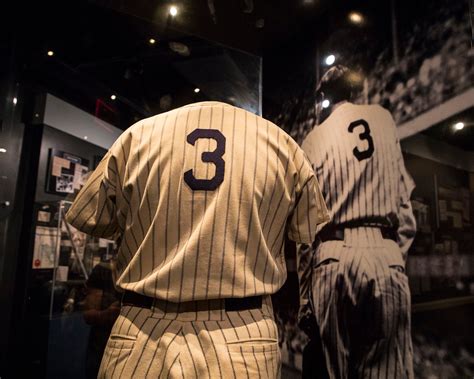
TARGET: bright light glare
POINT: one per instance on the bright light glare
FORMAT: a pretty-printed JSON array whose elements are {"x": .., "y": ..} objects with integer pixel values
[
  {"x": 113, "y": 97},
  {"x": 15, "y": 100},
  {"x": 85, "y": 137},
  {"x": 326, "y": 103},
  {"x": 356, "y": 17},
  {"x": 152, "y": 41},
  {"x": 197, "y": 90},
  {"x": 50, "y": 53},
  {"x": 3, "y": 150},
  {"x": 330, "y": 59},
  {"x": 459, "y": 126},
  {"x": 173, "y": 11}
]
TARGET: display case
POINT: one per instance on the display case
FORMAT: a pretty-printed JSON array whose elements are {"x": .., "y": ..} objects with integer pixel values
[
  {"x": 68, "y": 254},
  {"x": 74, "y": 284}
]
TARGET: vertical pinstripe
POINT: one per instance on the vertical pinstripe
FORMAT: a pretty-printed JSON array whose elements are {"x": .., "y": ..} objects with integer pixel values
[
  {"x": 372, "y": 191},
  {"x": 360, "y": 299},
  {"x": 192, "y": 344},
  {"x": 354, "y": 293},
  {"x": 181, "y": 245},
  {"x": 213, "y": 226},
  {"x": 234, "y": 267}
]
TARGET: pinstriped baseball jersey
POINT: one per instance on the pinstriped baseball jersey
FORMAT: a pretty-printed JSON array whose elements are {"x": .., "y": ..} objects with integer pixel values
[
  {"x": 358, "y": 296},
  {"x": 211, "y": 343},
  {"x": 361, "y": 169},
  {"x": 201, "y": 198}
]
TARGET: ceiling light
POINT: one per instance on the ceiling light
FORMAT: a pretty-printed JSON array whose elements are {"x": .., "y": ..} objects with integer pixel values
[
  {"x": 326, "y": 103},
  {"x": 85, "y": 137},
  {"x": 152, "y": 41},
  {"x": 180, "y": 48},
  {"x": 50, "y": 53},
  {"x": 3, "y": 150},
  {"x": 196, "y": 90},
  {"x": 173, "y": 11},
  {"x": 330, "y": 59},
  {"x": 15, "y": 100},
  {"x": 113, "y": 97},
  {"x": 356, "y": 18},
  {"x": 459, "y": 126}
]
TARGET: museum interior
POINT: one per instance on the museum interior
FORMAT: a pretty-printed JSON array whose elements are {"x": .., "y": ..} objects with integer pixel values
[{"x": 75, "y": 75}]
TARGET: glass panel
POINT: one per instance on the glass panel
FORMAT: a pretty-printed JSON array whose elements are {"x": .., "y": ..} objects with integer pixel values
[{"x": 85, "y": 76}]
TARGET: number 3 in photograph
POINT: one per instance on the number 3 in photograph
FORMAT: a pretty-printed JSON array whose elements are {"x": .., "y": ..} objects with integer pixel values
[{"x": 364, "y": 136}]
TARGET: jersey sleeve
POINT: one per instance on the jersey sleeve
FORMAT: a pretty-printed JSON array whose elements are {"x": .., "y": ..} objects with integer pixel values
[
  {"x": 310, "y": 209},
  {"x": 94, "y": 210}
]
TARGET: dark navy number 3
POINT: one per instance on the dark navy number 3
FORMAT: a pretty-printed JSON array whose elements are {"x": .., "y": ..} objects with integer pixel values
[
  {"x": 364, "y": 136},
  {"x": 208, "y": 157}
]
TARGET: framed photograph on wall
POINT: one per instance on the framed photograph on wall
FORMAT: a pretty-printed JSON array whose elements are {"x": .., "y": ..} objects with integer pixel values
[{"x": 67, "y": 172}]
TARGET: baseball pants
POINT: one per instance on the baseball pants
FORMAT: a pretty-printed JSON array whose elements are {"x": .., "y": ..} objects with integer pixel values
[
  {"x": 183, "y": 341},
  {"x": 361, "y": 301}
]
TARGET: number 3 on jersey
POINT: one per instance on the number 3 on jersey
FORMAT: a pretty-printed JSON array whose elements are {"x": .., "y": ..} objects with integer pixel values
[
  {"x": 364, "y": 136},
  {"x": 214, "y": 157}
]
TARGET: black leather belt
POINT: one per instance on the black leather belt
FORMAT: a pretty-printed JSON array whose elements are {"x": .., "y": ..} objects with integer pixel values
[
  {"x": 230, "y": 304},
  {"x": 337, "y": 233}
]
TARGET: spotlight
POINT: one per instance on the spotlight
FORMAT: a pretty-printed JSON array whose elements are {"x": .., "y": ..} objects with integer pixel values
[
  {"x": 179, "y": 48},
  {"x": 113, "y": 97},
  {"x": 330, "y": 59},
  {"x": 15, "y": 100},
  {"x": 196, "y": 90},
  {"x": 459, "y": 126},
  {"x": 356, "y": 18},
  {"x": 173, "y": 11},
  {"x": 326, "y": 103},
  {"x": 50, "y": 53},
  {"x": 152, "y": 41}
]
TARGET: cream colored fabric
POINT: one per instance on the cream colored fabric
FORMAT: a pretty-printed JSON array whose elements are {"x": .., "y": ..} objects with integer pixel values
[
  {"x": 162, "y": 343},
  {"x": 180, "y": 243},
  {"x": 361, "y": 300},
  {"x": 357, "y": 159}
]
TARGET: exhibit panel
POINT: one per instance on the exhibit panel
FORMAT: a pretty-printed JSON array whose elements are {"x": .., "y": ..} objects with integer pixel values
[
  {"x": 415, "y": 61},
  {"x": 59, "y": 258}
]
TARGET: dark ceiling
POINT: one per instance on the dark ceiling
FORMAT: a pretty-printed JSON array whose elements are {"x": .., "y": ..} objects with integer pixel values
[{"x": 102, "y": 48}]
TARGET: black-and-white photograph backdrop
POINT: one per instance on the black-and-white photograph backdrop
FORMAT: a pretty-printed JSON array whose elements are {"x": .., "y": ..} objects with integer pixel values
[{"x": 414, "y": 59}]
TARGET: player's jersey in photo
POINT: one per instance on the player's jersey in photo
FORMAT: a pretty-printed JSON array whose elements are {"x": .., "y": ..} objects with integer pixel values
[
  {"x": 202, "y": 197},
  {"x": 359, "y": 166}
]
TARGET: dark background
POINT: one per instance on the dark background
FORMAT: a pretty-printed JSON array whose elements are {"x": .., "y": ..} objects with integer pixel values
[{"x": 101, "y": 48}]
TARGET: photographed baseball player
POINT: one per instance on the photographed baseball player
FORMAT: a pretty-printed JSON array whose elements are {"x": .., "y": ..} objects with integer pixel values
[
  {"x": 357, "y": 287},
  {"x": 200, "y": 199}
]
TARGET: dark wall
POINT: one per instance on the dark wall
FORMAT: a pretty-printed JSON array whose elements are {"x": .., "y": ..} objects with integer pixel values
[{"x": 11, "y": 136}]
